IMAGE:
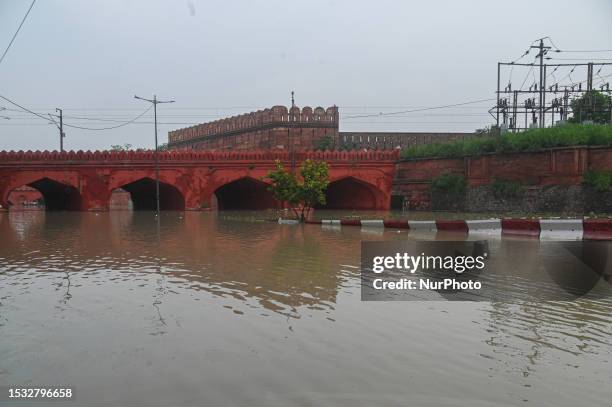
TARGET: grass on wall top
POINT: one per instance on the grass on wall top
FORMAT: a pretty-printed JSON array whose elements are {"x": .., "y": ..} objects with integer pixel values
[{"x": 530, "y": 140}]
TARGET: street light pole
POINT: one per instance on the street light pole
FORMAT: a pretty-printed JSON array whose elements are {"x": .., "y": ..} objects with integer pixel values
[
  {"x": 155, "y": 102},
  {"x": 61, "y": 128}
]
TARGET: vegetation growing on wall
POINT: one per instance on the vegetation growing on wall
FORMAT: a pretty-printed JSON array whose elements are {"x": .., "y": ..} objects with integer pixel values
[
  {"x": 128, "y": 147},
  {"x": 324, "y": 143},
  {"x": 348, "y": 146},
  {"x": 530, "y": 140},
  {"x": 506, "y": 189},
  {"x": 449, "y": 183},
  {"x": 600, "y": 181},
  {"x": 121, "y": 147}
]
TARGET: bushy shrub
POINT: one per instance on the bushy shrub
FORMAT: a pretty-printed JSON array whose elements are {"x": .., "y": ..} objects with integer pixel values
[
  {"x": 600, "y": 181},
  {"x": 348, "y": 146},
  {"x": 324, "y": 143},
  {"x": 450, "y": 183},
  {"x": 504, "y": 189},
  {"x": 530, "y": 140}
]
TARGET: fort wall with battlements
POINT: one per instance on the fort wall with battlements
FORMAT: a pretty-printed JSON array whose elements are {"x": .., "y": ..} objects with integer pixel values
[
  {"x": 279, "y": 128},
  {"x": 269, "y": 129}
]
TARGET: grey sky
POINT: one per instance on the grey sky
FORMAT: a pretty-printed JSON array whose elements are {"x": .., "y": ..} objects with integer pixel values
[{"x": 219, "y": 58}]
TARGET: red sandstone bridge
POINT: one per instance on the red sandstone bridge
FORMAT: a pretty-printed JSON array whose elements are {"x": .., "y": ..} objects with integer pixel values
[{"x": 189, "y": 180}]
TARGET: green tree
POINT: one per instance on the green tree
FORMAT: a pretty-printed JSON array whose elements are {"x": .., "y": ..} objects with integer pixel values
[
  {"x": 119, "y": 147},
  {"x": 304, "y": 192},
  {"x": 594, "y": 106}
]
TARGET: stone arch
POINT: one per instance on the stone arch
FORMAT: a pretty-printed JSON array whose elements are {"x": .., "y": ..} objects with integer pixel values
[
  {"x": 244, "y": 193},
  {"x": 143, "y": 194},
  {"x": 352, "y": 193},
  {"x": 58, "y": 194}
]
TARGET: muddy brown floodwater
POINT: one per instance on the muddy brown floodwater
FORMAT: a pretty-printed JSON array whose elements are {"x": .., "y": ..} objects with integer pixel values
[{"x": 216, "y": 310}]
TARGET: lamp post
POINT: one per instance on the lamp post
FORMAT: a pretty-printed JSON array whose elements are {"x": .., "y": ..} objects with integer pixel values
[
  {"x": 61, "y": 128},
  {"x": 155, "y": 102}
]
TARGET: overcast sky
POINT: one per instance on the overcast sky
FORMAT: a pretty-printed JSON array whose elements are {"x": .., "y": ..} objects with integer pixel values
[{"x": 220, "y": 58}]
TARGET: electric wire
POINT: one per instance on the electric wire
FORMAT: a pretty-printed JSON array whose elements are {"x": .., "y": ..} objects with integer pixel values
[
  {"x": 586, "y": 51},
  {"x": 73, "y": 126},
  {"x": 514, "y": 62},
  {"x": 111, "y": 127},
  {"x": 526, "y": 76},
  {"x": 577, "y": 59},
  {"x": 17, "y": 32},
  {"x": 418, "y": 110}
]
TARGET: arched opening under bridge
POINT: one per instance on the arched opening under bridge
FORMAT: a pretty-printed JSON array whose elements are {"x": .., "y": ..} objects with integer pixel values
[
  {"x": 142, "y": 196},
  {"x": 245, "y": 193},
  {"x": 46, "y": 193},
  {"x": 350, "y": 193}
]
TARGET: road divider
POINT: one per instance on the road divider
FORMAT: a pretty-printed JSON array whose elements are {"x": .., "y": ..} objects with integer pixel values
[
  {"x": 566, "y": 229},
  {"x": 452, "y": 225},
  {"x": 597, "y": 229},
  {"x": 521, "y": 227},
  {"x": 422, "y": 225}
]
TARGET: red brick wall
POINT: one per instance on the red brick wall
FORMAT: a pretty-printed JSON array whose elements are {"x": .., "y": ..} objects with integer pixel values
[
  {"x": 391, "y": 140},
  {"x": 412, "y": 178},
  {"x": 600, "y": 159},
  {"x": 120, "y": 199},
  {"x": 559, "y": 166}
]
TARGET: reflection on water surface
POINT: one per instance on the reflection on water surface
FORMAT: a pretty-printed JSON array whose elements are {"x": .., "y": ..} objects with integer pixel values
[{"x": 231, "y": 310}]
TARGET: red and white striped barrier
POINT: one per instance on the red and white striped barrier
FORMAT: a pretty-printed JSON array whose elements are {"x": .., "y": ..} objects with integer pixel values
[{"x": 567, "y": 229}]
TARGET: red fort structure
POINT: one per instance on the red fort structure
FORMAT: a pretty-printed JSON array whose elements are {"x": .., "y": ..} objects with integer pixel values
[
  {"x": 279, "y": 128},
  {"x": 224, "y": 164},
  {"x": 268, "y": 129}
]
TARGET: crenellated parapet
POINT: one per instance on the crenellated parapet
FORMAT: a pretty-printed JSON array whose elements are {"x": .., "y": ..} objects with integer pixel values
[
  {"x": 126, "y": 157},
  {"x": 275, "y": 117}
]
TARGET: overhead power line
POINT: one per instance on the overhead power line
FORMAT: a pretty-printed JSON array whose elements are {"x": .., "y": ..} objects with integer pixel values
[
  {"x": 111, "y": 127},
  {"x": 557, "y": 49},
  {"x": 586, "y": 51},
  {"x": 419, "y": 110},
  {"x": 247, "y": 109},
  {"x": 17, "y": 32},
  {"x": 578, "y": 59},
  {"x": 24, "y": 108},
  {"x": 71, "y": 125}
]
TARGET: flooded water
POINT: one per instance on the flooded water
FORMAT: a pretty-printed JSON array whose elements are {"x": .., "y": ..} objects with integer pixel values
[{"x": 232, "y": 310}]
